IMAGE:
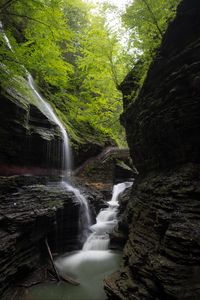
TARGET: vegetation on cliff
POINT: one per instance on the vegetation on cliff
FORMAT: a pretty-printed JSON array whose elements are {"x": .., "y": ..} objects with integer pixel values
[
  {"x": 78, "y": 60},
  {"x": 146, "y": 22}
]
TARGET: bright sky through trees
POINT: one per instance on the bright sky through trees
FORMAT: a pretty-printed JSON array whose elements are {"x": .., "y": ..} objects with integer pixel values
[{"x": 119, "y": 3}]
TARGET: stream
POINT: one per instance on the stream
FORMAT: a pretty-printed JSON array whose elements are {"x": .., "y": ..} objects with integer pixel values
[{"x": 90, "y": 265}]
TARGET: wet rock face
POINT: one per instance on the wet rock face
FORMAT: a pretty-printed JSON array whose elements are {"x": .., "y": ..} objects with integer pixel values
[
  {"x": 29, "y": 214},
  {"x": 27, "y": 137},
  {"x": 162, "y": 253}
]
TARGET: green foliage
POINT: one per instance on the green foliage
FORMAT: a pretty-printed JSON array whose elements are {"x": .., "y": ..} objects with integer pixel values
[
  {"x": 146, "y": 21},
  {"x": 74, "y": 58},
  {"x": 99, "y": 49}
]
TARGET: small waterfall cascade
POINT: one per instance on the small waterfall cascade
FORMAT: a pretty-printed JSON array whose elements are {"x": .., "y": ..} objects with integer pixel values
[
  {"x": 95, "y": 261},
  {"x": 105, "y": 221},
  {"x": 66, "y": 157},
  {"x": 5, "y": 37}
]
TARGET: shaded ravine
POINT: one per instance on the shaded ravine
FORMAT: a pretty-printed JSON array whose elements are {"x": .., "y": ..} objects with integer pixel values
[{"x": 97, "y": 263}]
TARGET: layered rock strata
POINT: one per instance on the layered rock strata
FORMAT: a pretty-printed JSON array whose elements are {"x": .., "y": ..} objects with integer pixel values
[
  {"x": 30, "y": 140},
  {"x": 162, "y": 253},
  {"x": 30, "y": 211}
]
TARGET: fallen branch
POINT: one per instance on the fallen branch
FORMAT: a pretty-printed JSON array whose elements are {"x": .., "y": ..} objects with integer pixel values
[
  {"x": 51, "y": 259},
  {"x": 60, "y": 277}
]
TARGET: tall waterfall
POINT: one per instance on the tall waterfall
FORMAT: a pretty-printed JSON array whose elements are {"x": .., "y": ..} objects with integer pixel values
[
  {"x": 45, "y": 107},
  {"x": 66, "y": 157},
  {"x": 5, "y": 37}
]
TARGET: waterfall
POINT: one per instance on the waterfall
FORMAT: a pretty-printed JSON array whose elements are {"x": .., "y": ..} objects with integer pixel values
[
  {"x": 66, "y": 157},
  {"x": 105, "y": 221},
  {"x": 95, "y": 261},
  {"x": 5, "y": 37}
]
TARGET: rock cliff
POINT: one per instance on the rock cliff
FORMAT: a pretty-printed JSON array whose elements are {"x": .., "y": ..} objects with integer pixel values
[
  {"x": 162, "y": 254},
  {"x": 30, "y": 140},
  {"x": 30, "y": 212}
]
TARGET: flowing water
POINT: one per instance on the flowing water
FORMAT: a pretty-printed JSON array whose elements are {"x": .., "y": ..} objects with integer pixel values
[
  {"x": 105, "y": 221},
  {"x": 66, "y": 157},
  {"x": 90, "y": 265},
  {"x": 5, "y": 36}
]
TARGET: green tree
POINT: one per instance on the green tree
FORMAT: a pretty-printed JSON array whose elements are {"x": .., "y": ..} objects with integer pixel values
[
  {"x": 101, "y": 71},
  {"x": 146, "y": 22},
  {"x": 72, "y": 55}
]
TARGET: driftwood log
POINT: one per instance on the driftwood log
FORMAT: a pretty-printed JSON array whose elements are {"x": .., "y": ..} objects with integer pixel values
[{"x": 59, "y": 276}]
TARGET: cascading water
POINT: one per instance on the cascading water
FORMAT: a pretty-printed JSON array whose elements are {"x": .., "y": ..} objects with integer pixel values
[
  {"x": 5, "y": 36},
  {"x": 94, "y": 261},
  {"x": 66, "y": 157},
  {"x": 105, "y": 221},
  {"x": 66, "y": 164},
  {"x": 88, "y": 266}
]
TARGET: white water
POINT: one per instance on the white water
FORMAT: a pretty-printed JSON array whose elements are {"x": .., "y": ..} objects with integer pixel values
[
  {"x": 105, "y": 221},
  {"x": 5, "y": 37},
  {"x": 88, "y": 266},
  {"x": 47, "y": 109},
  {"x": 66, "y": 157},
  {"x": 85, "y": 218}
]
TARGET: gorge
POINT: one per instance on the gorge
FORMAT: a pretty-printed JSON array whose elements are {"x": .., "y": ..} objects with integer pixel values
[
  {"x": 161, "y": 256},
  {"x": 154, "y": 251}
]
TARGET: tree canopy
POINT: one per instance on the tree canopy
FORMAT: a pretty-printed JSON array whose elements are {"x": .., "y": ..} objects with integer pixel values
[
  {"x": 146, "y": 22},
  {"x": 77, "y": 59}
]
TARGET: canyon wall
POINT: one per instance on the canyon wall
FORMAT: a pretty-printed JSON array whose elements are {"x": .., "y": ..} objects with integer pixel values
[
  {"x": 31, "y": 211},
  {"x": 30, "y": 140},
  {"x": 161, "y": 257}
]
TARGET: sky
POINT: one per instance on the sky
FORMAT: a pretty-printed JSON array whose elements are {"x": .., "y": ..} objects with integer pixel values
[
  {"x": 120, "y": 3},
  {"x": 113, "y": 19}
]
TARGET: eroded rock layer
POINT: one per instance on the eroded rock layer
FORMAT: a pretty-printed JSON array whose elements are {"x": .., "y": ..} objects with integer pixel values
[
  {"x": 30, "y": 212},
  {"x": 162, "y": 254},
  {"x": 162, "y": 125},
  {"x": 30, "y": 141}
]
